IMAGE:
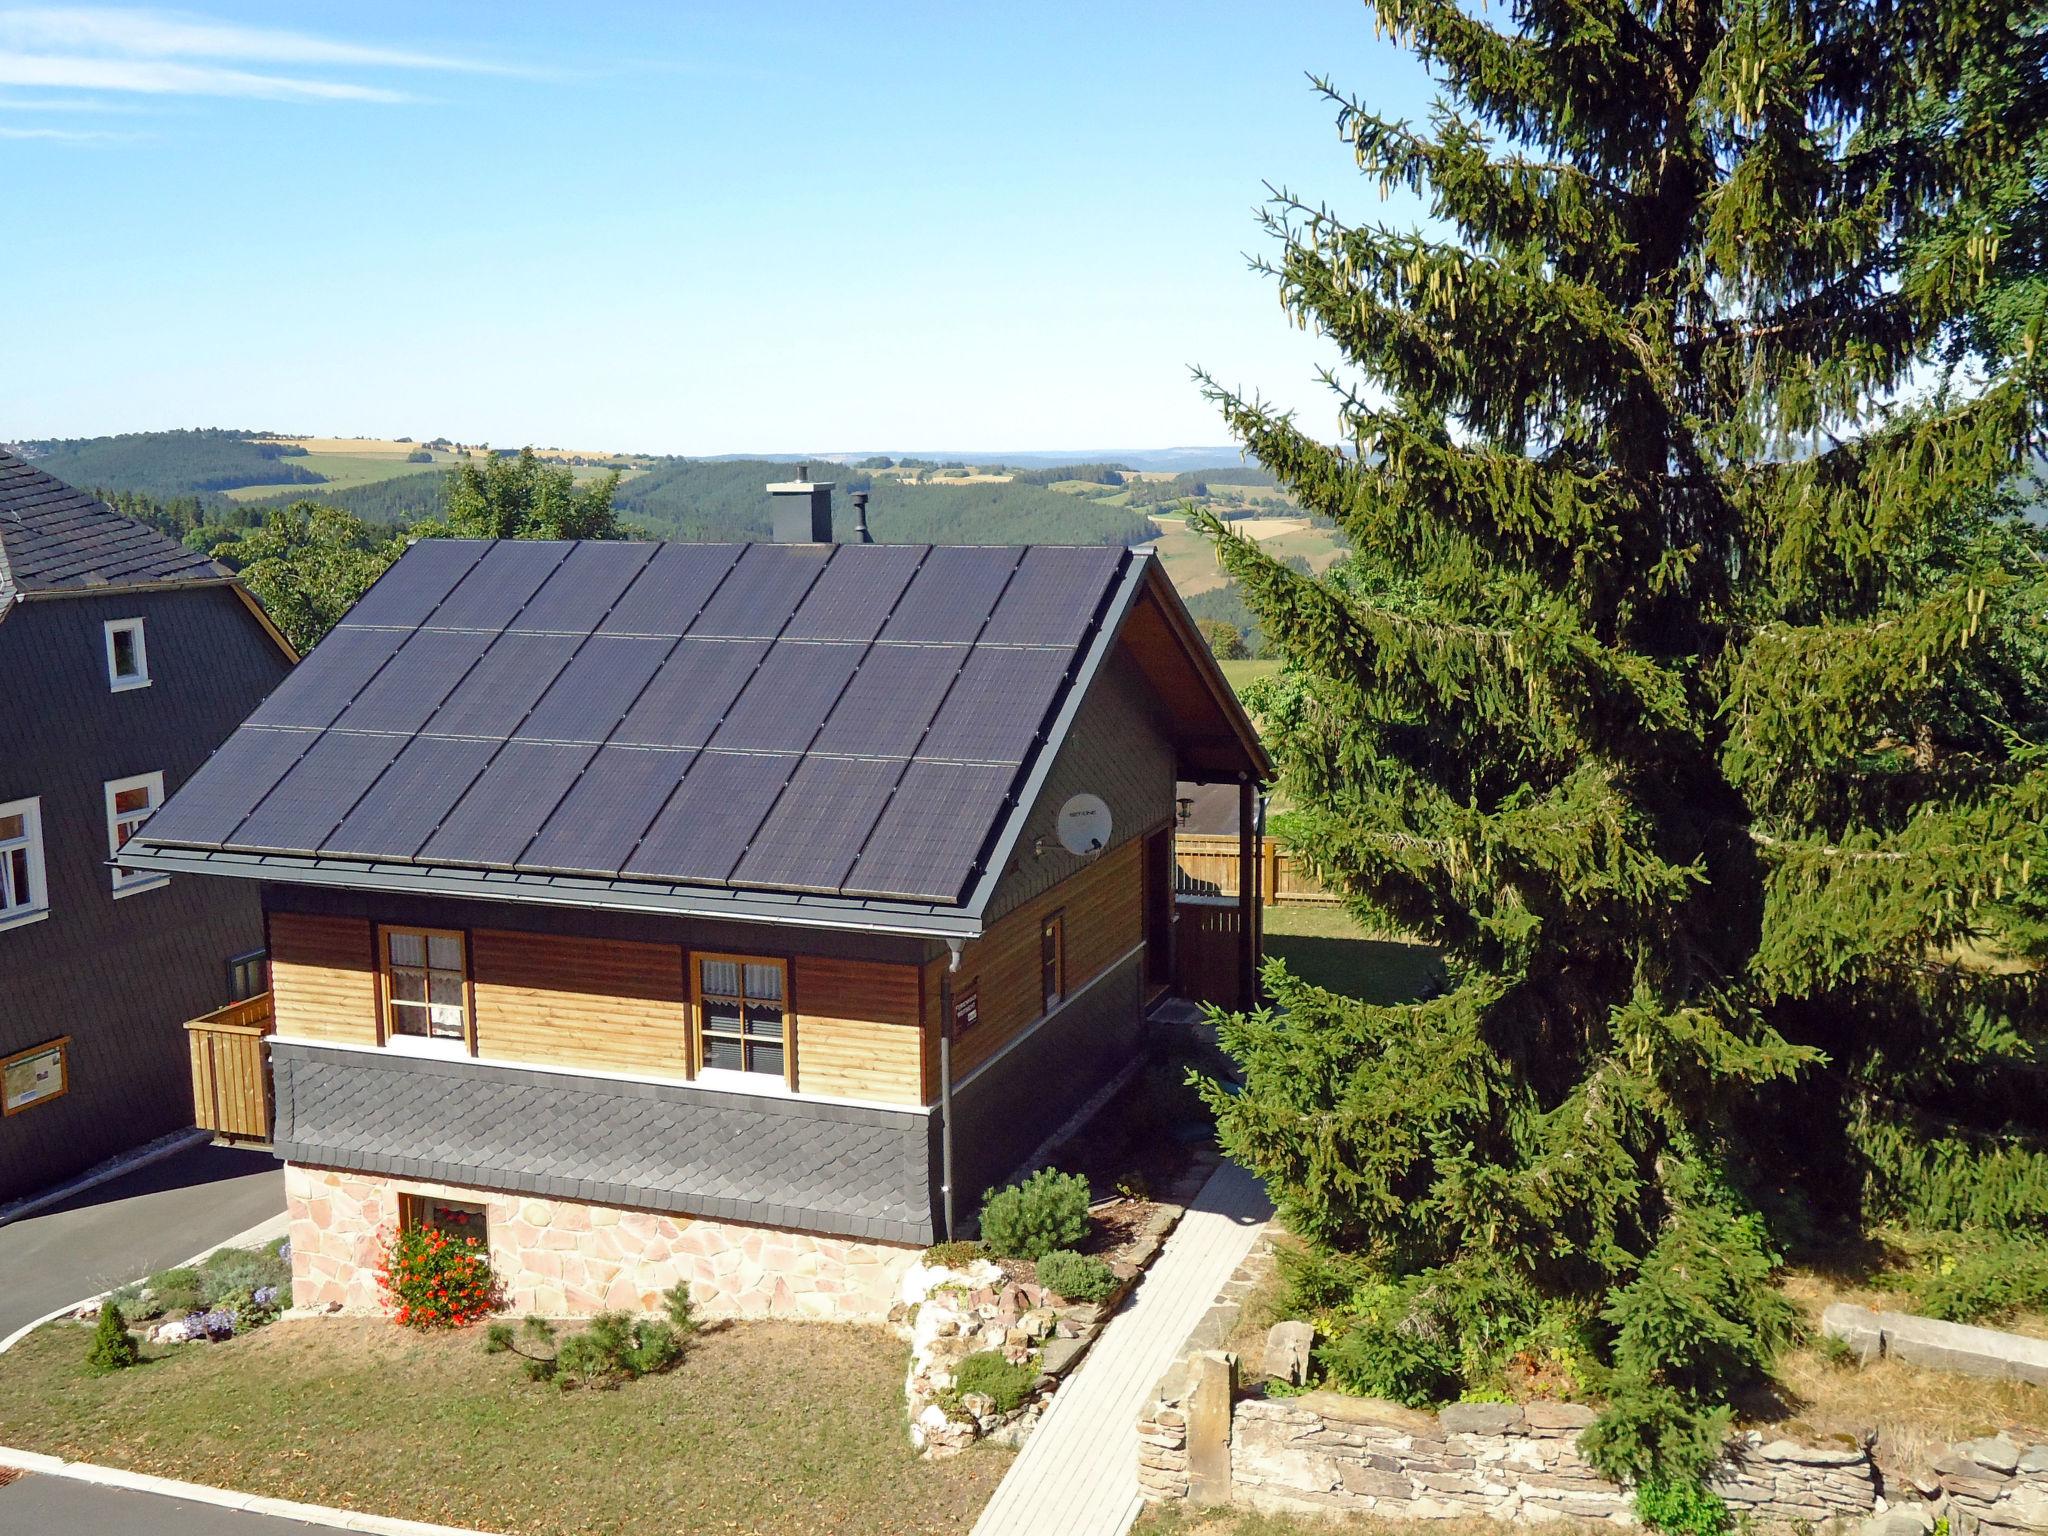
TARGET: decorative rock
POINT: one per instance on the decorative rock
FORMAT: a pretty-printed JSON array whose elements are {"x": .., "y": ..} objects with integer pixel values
[
  {"x": 1287, "y": 1352},
  {"x": 1059, "y": 1355},
  {"x": 1480, "y": 1419},
  {"x": 1557, "y": 1416},
  {"x": 1998, "y": 1453}
]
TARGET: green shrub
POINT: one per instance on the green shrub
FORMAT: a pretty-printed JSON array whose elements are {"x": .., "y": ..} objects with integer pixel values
[
  {"x": 1027, "y": 1221},
  {"x": 232, "y": 1271},
  {"x": 1971, "y": 1279},
  {"x": 989, "y": 1373},
  {"x": 1392, "y": 1355},
  {"x": 954, "y": 1255},
  {"x": 1652, "y": 1433},
  {"x": 1316, "y": 1280},
  {"x": 176, "y": 1290},
  {"x": 113, "y": 1347},
  {"x": 1076, "y": 1276},
  {"x": 614, "y": 1349},
  {"x": 1682, "y": 1509}
]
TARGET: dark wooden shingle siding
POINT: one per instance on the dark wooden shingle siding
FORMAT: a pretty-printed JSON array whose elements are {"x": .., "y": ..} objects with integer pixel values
[{"x": 119, "y": 977}]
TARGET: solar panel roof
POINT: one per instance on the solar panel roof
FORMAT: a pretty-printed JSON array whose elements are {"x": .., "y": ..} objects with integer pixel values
[{"x": 847, "y": 720}]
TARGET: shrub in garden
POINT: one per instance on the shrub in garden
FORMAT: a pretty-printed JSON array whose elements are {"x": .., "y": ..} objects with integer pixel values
[
  {"x": 616, "y": 1348},
  {"x": 1076, "y": 1276},
  {"x": 990, "y": 1374},
  {"x": 230, "y": 1272},
  {"x": 1981, "y": 1280},
  {"x": 1027, "y": 1221},
  {"x": 435, "y": 1281},
  {"x": 953, "y": 1255},
  {"x": 176, "y": 1290},
  {"x": 113, "y": 1347}
]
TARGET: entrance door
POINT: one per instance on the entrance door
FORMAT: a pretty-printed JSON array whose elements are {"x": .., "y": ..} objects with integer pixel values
[{"x": 1159, "y": 884}]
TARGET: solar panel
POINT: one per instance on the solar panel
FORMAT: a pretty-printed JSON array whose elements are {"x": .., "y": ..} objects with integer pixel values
[
  {"x": 763, "y": 590},
  {"x": 891, "y": 699},
  {"x": 398, "y": 812},
  {"x": 494, "y": 821},
  {"x": 687, "y": 698},
  {"x": 786, "y": 701},
  {"x": 495, "y": 694},
  {"x": 860, "y": 585},
  {"x": 708, "y": 822},
  {"x": 669, "y": 592},
  {"x": 927, "y": 842},
  {"x": 494, "y": 591},
  {"x": 1053, "y": 596},
  {"x": 410, "y": 590},
  {"x": 595, "y": 827},
  {"x": 811, "y": 838},
  {"x": 951, "y": 597},
  {"x": 596, "y": 689},
  {"x": 227, "y": 786},
  {"x": 415, "y": 681},
  {"x": 584, "y": 587},
  {"x": 994, "y": 712},
  {"x": 303, "y": 807},
  {"x": 313, "y": 695}
]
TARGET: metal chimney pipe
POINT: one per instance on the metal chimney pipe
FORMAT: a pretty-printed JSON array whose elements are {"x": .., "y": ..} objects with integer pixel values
[{"x": 860, "y": 519}]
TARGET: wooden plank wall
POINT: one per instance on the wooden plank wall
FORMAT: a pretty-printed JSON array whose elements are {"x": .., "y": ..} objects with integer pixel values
[
  {"x": 611, "y": 1005},
  {"x": 1104, "y": 907},
  {"x": 323, "y": 978},
  {"x": 599, "y": 1004},
  {"x": 1208, "y": 867}
]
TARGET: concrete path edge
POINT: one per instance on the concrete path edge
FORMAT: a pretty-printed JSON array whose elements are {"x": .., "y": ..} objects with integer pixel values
[{"x": 225, "y": 1498}]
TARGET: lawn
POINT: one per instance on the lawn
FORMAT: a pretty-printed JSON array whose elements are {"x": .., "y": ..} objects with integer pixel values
[
  {"x": 1324, "y": 945},
  {"x": 780, "y": 1428},
  {"x": 1242, "y": 672}
]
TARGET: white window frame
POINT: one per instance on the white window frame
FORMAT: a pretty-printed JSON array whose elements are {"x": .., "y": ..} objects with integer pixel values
[
  {"x": 37, "y": 905},
  {"x": 127, "y": 882},
  {"x": 115, "y": 681}
]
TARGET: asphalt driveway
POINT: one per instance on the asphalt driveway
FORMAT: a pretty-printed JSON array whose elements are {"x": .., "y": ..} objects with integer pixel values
[
  {"x": 129, "y": 1227},
  {"x": 45, "y": 1506}
]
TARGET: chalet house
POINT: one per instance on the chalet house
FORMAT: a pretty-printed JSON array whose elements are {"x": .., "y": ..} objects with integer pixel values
[
  {"x": 728, "y": 912},
  {"x": 124, "y": 660}
]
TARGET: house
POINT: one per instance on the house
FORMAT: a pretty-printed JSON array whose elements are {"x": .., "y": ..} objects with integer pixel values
[
  {"x": 124, "y": 660},
  {"x": 728, "y": 912}
]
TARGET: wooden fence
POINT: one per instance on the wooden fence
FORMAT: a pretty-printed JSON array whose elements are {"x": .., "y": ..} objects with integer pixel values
[
  {"x": 1208, "y": 867},
  {"x": 1205, "y": 950},
  {"x": 231, "y": 1069}
]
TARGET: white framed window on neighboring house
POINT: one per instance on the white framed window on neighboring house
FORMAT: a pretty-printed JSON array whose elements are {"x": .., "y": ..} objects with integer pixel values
[
  {"x": 24, "y": 897},
  {"x": 127, "y": 655},
  {"x": 131, "y": 802}
]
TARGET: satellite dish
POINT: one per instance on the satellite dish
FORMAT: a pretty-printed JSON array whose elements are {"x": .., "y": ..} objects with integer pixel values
[{"x": 1084, "y": 825}]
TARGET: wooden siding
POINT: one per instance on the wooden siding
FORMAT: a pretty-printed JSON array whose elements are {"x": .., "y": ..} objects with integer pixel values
[
  {"x": 323, "y": 978},
  {"x": 1104, "y": 916},
  {"x": 857, "y": 1034},
  {"x": 599, "y": 1004}
]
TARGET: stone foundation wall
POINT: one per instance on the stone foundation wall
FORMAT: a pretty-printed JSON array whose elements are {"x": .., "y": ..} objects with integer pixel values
[
  {"x": 1993, "y": 1486},
  {"x": 564, "y": 1258}
]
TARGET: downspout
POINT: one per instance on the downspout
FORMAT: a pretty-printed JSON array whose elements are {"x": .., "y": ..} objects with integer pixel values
[{"x": 946, "y": 1082}]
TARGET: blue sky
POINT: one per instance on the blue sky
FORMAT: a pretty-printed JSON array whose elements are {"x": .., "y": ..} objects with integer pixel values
[{"x": 672, "y": 228}]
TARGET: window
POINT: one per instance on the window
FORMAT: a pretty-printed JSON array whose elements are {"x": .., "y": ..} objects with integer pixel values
[
  {"x": 742, "y": 1015},
  {"x": 248, "y": 975},
  {"x": 966, "y": 1008},
  {"x": 129, "y": 804},
  {"x": 1052, "y": 960},
  {"x": 31, "y": 1076},
  {"x": 127, "y": 655},
  {"x": 451, "y": 1218},
  {"x": 22, "y": 898},
  {"x": 425, "y": 987}
]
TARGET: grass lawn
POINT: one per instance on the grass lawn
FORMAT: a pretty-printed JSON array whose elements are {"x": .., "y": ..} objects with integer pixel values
[
  {"x": 776, "y": 1428},
  {"x": 1242, "y": 672},
  {"x": 1325, "y": 946}
]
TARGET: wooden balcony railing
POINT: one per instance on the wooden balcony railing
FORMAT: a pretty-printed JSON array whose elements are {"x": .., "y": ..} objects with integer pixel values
[
  {"x": 231, "y": 1069},
  {"x": 1206, "y": 865}
]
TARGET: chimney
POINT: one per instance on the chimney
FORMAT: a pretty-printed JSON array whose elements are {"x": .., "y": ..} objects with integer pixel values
[
  {"x": 860, "y": 519},
  {"x": 802, "y": 509}
]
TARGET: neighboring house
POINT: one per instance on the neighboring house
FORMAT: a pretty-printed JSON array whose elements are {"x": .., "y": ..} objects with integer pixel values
[
  {"x": 124, "y": 660},
  {"x": 691, "y": 911}
]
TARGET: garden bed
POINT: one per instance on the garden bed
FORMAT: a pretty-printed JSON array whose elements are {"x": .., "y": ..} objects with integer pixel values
[{"x": 781, "y": 1428}]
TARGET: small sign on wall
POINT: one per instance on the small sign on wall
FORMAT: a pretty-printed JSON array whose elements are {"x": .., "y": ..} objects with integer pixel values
[{"x": 31, "y": 1076}]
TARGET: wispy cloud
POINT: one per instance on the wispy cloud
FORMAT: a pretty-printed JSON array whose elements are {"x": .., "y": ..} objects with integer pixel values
[{"x": 156, "y": 53}]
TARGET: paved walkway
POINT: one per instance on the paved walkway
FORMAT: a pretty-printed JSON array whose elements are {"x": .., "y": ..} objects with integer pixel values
[
  {"x": 132, "y": 1226},
  {"x": 1078, "y": 1473}
]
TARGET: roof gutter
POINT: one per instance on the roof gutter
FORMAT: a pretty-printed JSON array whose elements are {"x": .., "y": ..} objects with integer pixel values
[{"x": 789, "y": 911}]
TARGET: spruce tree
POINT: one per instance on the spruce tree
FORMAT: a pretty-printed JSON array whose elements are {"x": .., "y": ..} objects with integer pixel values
[{"x": 1687, "y": 683}]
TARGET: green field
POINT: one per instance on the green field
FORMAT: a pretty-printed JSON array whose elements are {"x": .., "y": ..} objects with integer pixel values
[
  {"x": 345, "y": 469},
  {"x": 1243, "y": 672}
]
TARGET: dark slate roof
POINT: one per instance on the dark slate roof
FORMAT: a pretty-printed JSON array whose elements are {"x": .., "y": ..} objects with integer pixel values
[
  {"x": 838, "y": 720},
  {"x": 56, "y": 539},
  {"x": 840, "y": 1168}
]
